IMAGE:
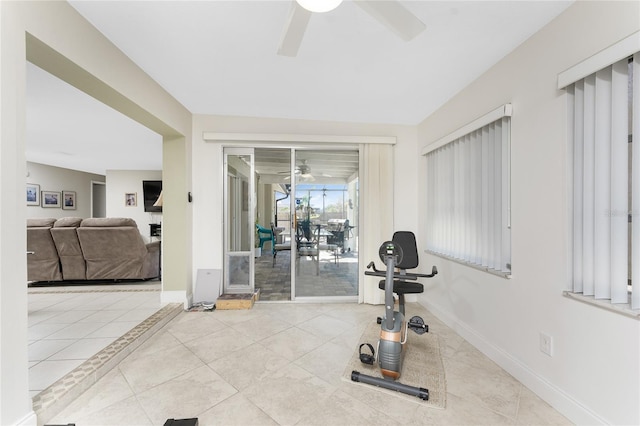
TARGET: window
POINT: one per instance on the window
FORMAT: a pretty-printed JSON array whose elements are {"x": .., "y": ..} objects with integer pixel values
[
  {"x": 603, "y": 116},
  {"x": 468, "y": 194}
]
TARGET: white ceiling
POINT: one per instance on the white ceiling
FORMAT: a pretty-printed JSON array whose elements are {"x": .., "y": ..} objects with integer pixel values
[
  {"x": 219, "y": 57},
  {"x": 68, "y": 128}
]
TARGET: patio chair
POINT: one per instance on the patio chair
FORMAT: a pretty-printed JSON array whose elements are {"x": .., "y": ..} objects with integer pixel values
[{"x": 265, "y": 235}]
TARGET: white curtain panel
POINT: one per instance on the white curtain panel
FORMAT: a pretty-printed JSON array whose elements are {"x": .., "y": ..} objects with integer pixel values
[{"x": 377, "y": 203}]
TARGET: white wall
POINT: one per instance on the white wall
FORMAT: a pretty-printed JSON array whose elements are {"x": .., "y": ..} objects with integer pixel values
[
  {"x": 207, "y": 164},
  {"x": 58, "y": 179},
  {"x": 121, "y": 182},
  {"x": 594, "y": 373}
]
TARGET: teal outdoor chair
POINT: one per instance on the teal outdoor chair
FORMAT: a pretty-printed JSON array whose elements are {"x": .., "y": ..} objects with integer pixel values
[{"x": 265, "y": 235}]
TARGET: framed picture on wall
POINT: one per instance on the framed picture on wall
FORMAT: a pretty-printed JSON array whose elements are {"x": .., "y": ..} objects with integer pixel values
[
  {"x": 33, "y": 194},
  {"x": 51, "y": 199},
  {"x": 68, "y": 200},
  {"x": 131, "y": 199}
]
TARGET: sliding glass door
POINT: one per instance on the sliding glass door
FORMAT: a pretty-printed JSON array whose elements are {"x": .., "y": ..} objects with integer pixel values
[
  {"x": 273, "y": 264},
  {"x": 326, "y": 223},
  {"x": 300, "y": 207}
]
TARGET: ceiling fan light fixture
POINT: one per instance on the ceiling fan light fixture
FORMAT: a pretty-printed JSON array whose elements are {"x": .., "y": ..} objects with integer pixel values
[
  {"x": 303, "y": 169},
  {"x": 319, "y": 5}
]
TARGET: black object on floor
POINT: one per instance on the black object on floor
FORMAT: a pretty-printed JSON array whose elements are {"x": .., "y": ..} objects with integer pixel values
[
  {"x": 181, "y": 422},
  {"x": 421, "y": 393}
]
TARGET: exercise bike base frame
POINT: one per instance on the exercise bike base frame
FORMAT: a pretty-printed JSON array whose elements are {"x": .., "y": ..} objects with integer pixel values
[{"x": 421, "y": 393}]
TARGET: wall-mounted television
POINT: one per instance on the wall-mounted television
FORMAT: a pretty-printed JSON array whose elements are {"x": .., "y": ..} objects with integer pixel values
[{"x": 151, "y": 190}]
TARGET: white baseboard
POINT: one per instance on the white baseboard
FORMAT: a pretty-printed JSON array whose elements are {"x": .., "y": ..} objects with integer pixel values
[
  {"x": 176, "y": 296},
  {"x": 554, "y": 396}
]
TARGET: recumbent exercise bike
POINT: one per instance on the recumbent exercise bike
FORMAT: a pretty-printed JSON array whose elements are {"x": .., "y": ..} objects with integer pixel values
[{"x": 401, "y": 253}]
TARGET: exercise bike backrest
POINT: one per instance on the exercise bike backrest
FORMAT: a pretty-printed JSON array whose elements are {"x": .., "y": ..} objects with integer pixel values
[
  {"x": 406, "y": 240},
  {"x": 408, "y": 260}
]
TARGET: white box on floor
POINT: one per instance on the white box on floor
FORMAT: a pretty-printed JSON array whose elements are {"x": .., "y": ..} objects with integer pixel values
[{"x": 207, "y": 286}]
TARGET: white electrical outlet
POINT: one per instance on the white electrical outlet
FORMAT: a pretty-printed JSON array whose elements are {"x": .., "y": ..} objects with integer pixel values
[{"x": 546, "y": 344}]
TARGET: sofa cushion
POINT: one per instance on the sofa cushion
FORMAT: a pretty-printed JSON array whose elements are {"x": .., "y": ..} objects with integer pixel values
[
  {"x": 68, "y": 222},
  {"x": 68, "y": 246},
  {"x": 40, "y": 222},
  {"x": 100, "y": 222},
  {"x": 43, "y": 264}
]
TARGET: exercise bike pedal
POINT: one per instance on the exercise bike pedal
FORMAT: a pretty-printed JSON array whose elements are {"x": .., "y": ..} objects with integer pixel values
[{"x": 417, "y": 324}]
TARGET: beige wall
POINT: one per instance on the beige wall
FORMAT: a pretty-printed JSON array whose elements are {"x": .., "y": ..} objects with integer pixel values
[
  {"x": 52, "y": 178},
  {"x": 15, "y": 404},
  {"x": 594, "y": 374},
  {"x": 177, "y": 281},
  {"x": 120, "y": 182}
]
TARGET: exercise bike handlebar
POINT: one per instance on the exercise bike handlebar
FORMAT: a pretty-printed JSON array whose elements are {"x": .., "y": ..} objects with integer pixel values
[{"x": 404, "y": 276}]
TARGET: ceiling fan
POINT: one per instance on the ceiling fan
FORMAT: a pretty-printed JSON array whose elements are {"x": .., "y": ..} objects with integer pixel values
[
  {"x": 390, "y": 13},
  {"x": 303, "y": 172}
]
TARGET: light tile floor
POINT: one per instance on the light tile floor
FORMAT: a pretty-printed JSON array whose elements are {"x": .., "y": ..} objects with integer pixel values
[
  {"x": 282, "y": 363},
  {"x": 68, "y": 325}
]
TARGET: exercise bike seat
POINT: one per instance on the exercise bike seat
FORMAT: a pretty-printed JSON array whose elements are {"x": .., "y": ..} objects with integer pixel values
[
  {"x": 406, "y": 240},
  {"x": 403, "y": 287}
]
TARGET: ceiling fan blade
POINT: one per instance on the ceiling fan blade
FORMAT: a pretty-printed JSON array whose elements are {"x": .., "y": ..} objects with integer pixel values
[
  {"x": 294, "y": 30},
  {"x": 393, "y": 15}
]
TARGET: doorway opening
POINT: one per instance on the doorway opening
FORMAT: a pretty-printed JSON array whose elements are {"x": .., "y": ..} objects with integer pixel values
[{"x": 98, "y": 199}]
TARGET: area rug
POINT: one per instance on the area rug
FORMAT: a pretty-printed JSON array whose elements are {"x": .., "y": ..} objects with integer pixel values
[{"x": 422, "y": 366}]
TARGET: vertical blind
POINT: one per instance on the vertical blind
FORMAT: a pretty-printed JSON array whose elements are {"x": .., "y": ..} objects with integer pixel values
[
  {"x": 606, "y": 183},
  {"x": 468, "y": 197}
]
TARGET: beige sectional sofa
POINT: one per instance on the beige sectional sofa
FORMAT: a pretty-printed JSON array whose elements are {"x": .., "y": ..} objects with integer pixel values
[{"x": 89, "y": 249}]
